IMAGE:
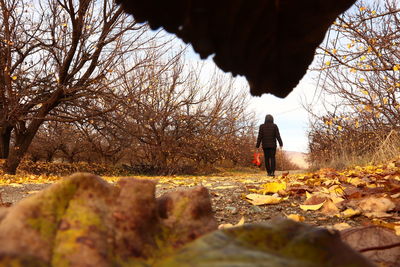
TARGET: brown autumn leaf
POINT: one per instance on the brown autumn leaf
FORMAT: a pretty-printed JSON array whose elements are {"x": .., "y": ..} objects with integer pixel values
[
  {"x": 352, "y": 192},
  {"x": 314, "y": 200},
  {"x": 374, "y": 236},
  {"x": 376, "y": 206},
  {"x": 341, "y": 226},
  {"x": 329, "y": 208}
]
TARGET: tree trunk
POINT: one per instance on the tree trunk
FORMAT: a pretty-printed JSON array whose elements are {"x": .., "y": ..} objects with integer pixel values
[
  {"x": 22, "y": 143},
  {"x": 5, "y": 137}
]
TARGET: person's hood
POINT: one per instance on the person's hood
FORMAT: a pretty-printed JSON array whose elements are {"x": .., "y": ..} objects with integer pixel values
[{"x": 269, "y": 119}]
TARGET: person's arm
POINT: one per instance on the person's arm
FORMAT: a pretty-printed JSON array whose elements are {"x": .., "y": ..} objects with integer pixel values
[
  {"x": 278, "y": 137},
  {"x": 259, "y": 138}
]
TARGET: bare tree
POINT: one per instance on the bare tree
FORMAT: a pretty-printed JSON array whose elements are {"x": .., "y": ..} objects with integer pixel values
[
  {"x": 58, "y": 59},
  {"x": 169, "y": 117},
  {"x": 360, "y": 74}
]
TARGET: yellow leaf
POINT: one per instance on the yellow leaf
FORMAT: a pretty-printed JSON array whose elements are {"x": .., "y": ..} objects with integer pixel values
[
  {"x": 334, "y": 51},
  {"x": 365, "y": 92},
  {"x": 369, "y": 49},
  {"x": 353, "y": 70},
  {"x": 340, "y": 128},
  {"x": 361, "y": 79},
  {"x": 328, "y": 63},
  {"x": 356, "y": 181},
  {"x": 312, "y": 207},
  {"x": 368, "y": 108},
  {"x": 296, "y": 217},
  {"x": 396, "y": 67},
  {"x": 397, "y": 230},
  {"x": 225, "y": 226},
  {"x": 325, "y": 190},
  {"x": 308, "y": 195},
  {"x": 385, "y": 100},
  {"x": 33, "y": 192},
  {"x": 363, "y": 8},
  {"x": 395, "y": 195},
  {"x": 64, "y": 25},
  {"x": 273, "y": 187},
  {"x": 363, "y": 58},
  {"x": 229, "y": 225},
  {"x": 341, "y": 226},
  {"x": 258, "y": 199},
  {"x": 241, "y": 222},
  {"x": 224, "y": 187},
  {"x": 336, "y": 199},
  {"x": 348, "y": 213},
  {"x": 336, "y": 190},
  {"x": 14, "y": 77}
]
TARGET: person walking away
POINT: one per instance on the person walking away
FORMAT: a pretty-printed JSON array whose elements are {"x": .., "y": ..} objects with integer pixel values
[{"x": 268, "y": 134}]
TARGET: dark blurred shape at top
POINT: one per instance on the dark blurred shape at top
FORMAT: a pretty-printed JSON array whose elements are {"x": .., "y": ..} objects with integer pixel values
[{"x": 270, "y": 42}]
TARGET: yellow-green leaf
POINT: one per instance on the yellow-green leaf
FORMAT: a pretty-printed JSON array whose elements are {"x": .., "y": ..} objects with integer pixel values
[{"x": 312, "y": 207}]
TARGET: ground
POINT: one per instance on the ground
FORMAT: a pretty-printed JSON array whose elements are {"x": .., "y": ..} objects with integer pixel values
[
  {"x": 361, "y": 202},
  {"x": 228, "y": 191}
]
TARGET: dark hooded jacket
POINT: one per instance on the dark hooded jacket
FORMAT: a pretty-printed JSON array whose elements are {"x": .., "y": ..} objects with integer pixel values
[{"x": 268, "y": 134}]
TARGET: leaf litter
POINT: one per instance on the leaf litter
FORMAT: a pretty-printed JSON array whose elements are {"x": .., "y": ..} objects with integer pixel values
[{"x": 356, "y": 198}]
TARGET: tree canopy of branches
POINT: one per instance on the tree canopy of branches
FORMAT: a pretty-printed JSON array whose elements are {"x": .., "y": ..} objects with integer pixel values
[
  {"x": 361, "y": 79},
  {"x": 57, "y": 59},
  {"x": 168, "y": 120}
]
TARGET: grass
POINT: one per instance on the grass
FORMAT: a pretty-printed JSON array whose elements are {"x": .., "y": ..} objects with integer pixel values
[{"x": 344, "y": 155}]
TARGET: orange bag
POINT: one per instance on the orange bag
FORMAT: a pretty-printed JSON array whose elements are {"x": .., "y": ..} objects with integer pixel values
[{"x": 256, "y": 159}]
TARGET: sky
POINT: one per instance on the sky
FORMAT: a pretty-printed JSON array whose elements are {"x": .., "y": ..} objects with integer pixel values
[{"x": 288, "y": 113}]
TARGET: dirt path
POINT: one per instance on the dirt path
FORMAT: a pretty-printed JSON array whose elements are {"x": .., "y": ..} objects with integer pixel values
[{"x": 227, "y": 193}]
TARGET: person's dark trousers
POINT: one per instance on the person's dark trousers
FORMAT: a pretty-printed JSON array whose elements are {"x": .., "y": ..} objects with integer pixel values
[{"x": 269, "y": 155}]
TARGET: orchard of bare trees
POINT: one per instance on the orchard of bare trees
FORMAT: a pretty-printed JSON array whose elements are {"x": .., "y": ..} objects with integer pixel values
[
  {"x": 360, "y": 79},
  {"x": 82, "y": 81}
]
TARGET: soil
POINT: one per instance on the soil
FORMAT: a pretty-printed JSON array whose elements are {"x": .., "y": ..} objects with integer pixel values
[{"x": 227, "y": 192}]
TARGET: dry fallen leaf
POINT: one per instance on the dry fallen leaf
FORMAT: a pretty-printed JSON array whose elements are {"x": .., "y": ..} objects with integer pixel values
[
  {"x": 258, "y": 199},
  {"x": 395, "y": 195},
  {"x": 15, "y": 185},
  {"x": 224, "y": 187},
  {"x": 315, "y": 198},
  {"x": 329, "y": 208},
  {"x": 397, "y": 230},
  {"x": 348, "y": 213},
  {"x": 296, "y": 217},
  {"x": 33, "y": 192},
  {"x": 341, "y": 226},
  {"x": 312, "y": 207},
  {"x": 374, "y": 236},
  {"x": 273, "y": 187},
  {"x": 356, "y": 181},
  {"x": 376, "y": 206},
  {"x": 229, "y": 225}
]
